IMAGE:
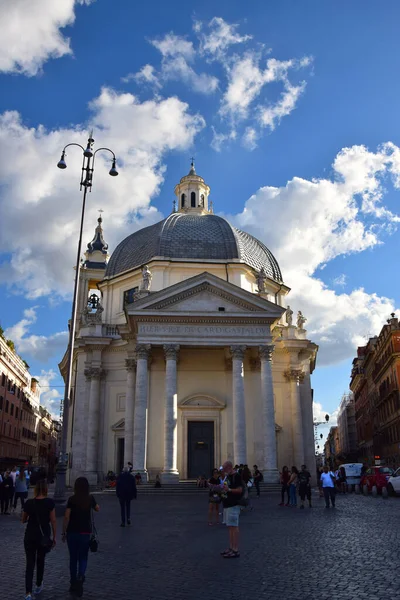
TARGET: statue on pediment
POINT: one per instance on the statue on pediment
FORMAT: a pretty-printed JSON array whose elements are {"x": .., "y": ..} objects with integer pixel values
[
  {"x": 146, "y": 279},
  {"x": 261, "y": 278},
  {"x": 289, "y": 316},
  {"x": 300, "y": 320}
]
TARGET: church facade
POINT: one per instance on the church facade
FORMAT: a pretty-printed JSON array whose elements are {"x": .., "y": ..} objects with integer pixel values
[{"x": 185, "y": 353}]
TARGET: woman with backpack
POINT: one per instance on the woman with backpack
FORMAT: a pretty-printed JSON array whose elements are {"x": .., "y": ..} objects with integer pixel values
[
  {"x": 77, "y": 531},
  {"x": 39, "y": 514}
]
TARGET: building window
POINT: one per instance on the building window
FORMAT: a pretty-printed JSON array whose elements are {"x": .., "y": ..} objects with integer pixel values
[
  {"x": 193, "y": 200},
  {"x": 12, "y": 409},
  {"x": 3, "y": 379},
  {"x": 7, "y": 405},
  {"x": 129, "y": 295},
  {"x": 183, "y": 199},
  {"x": 1, "y": 402},
  {"x": 16, "y": 412}
]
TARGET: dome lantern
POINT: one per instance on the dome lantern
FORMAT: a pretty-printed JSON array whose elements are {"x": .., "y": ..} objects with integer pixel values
[{"x": 192, "y": 193}]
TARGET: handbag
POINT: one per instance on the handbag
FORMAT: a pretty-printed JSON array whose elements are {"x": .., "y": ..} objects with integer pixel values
[
  {"x": 45, "y": 541},
  {"x": 94, "y": 540}
]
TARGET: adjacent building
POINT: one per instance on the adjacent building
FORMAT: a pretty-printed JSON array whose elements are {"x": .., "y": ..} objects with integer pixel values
[
  {"x": 331, "y": 448},
  {"x": 347, "y": 431},
  {"x": 374, "y": 382}
]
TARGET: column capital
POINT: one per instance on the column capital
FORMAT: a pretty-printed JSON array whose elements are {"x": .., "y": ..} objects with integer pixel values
[
  {"x": 130, "y": 364},
  {"x": 265, "y": 352},
  {"x": 171, "y": 351},
  {"x": 237, "y": 352},
  {"x": 296, "y": 375},
  {"x": 143, "y": 351},
  {"x": 94, "y": 373}
]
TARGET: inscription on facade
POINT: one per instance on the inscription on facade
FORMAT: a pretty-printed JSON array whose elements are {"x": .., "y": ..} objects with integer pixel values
[{"x": 202, "y": 330}]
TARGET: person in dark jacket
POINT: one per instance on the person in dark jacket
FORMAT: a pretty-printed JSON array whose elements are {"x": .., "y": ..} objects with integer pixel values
[
  {"x": 6, "y": 492},
  {"x": 126, "y": 491}
]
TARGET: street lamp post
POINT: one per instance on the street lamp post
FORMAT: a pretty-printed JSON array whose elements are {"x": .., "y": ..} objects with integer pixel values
[{"x": 85, "y": 184}]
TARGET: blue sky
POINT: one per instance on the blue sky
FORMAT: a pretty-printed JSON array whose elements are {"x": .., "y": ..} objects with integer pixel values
[{"x": 290, "y": 108}]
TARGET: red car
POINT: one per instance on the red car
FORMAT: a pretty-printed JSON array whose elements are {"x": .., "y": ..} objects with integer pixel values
[{"x": 378, "y": 476}]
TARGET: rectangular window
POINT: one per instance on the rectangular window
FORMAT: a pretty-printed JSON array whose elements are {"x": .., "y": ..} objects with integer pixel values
[
  {"x": 7, "y": 405},
  {"x": 16, "y": 412},
  {"x": 129, "y": 295},
  {"x": 1, "y": 402},
  {"x": 3, "y": 379},
  {"x": 12, "y": 409}
]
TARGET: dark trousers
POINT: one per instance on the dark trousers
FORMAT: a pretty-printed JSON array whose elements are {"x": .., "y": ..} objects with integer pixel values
[
  {"x": 285, "y": 489},
  {"x": 78, "y": 547},
  {"x": 305, "y": 492},
  {"x": 5, "y": 501},
  {"x": 34, "y": 555},
  {"x": 257, "y": 484},
  {"x": 329, "y": 494},
  {"x": 125, "y": 509},
  {"x": 23, "y": 496}
]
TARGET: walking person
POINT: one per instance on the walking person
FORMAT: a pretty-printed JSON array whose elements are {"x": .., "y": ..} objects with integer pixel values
[
  {"x": 284, "y": 478},
  {"x": 214, "y": 498},
  {"x": 77, "y": 530},
  {"x": 39, "y": 514},
  {"x": 232, "y": 490},
  {"x": 126, "y": 492},
  {"x": 258, "y": 478},
  {"x": 6, "y": 488},
  {"x": 342, "y": 481},
  {"x": 304, "y": 486},
  {"x": 328, "y": 486},
  {"x": 292, "y": 483},
  {"x": 21, "y": 490}
]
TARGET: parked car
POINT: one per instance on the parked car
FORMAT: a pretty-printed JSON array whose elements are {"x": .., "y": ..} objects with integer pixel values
[
  {"x": 393, "y": 484},
  {"x": 378, "y": 476}
]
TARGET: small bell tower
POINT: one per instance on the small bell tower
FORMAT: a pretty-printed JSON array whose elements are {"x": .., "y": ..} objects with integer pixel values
[{"x": 192, "y": 193}]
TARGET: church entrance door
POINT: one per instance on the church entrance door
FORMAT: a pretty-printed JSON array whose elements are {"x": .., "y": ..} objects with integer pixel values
[
  {"x": 200, "y": 448},
  {"x": 120, "y": 454}
]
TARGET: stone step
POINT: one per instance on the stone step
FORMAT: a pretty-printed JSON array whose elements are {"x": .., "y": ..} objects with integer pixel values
[{"x": 184, "y": 489}]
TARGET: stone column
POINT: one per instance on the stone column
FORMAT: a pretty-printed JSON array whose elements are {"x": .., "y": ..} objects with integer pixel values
[
  {"x": 295, "y": 376},
  {"x": 130, "y": 364},
  {"x": 92, "y": 446},
  {"x": 170, "y": 472},
  {"x": 308, "y": 421},
  {"x": 270, "y": 471},
  {"x": 140, "y": 418},
  {"x": 239, "y": 410}
]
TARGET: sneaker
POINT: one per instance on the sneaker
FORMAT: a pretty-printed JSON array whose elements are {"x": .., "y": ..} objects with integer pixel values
[
  {"x": 129, "y": 521},
  {"x": 287, "y": 504},
  {"x": 281, "y": 504},
  {"x": 29, "y": 597},
  {"x": 122, "y": 525},
  {"x": 38, "y": 589},
  {"x": 79, "y": 586}
]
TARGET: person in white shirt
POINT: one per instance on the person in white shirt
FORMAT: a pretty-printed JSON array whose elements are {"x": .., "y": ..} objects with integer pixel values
[{"x": 328, "y": 486}]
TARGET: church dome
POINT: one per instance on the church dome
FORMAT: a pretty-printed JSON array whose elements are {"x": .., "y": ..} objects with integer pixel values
[{"x": 195, "y": 236}]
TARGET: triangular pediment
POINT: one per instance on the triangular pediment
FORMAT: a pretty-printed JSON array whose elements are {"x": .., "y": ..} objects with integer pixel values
[{"x": 205, "y": 294}]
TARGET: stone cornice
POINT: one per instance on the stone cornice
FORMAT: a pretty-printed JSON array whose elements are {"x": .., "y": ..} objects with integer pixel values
[{"x": 177, "y": 318}]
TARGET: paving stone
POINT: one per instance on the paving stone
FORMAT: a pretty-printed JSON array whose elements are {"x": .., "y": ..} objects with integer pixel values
[{"x": 169, "y": 552}]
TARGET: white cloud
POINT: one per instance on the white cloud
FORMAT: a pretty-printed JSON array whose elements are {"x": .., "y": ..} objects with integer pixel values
[
  {"x": 246, "y": 79},
  {"x": 177, "y": 52},
  {"x": 50, "y": 396},
  {"x": 146, "y": 75},
  {"x": 220, "y": 35},
  {"x": 340, "y": 280},
  {"x": 39, "y": 347},
  {"x": 306, "y": 224},
  {"x": 250, "y": 138},
  {"x": 30, "y": 33},
  {"x": 220, "y": 139},
  {"x": 43, "y": 204}
]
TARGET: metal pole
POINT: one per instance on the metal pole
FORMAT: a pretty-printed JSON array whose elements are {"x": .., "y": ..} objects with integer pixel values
[{"x": 62, "y": 467}]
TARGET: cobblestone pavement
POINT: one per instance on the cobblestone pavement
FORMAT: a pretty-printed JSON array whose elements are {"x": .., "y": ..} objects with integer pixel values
[{"x": 169, "y": 552}]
